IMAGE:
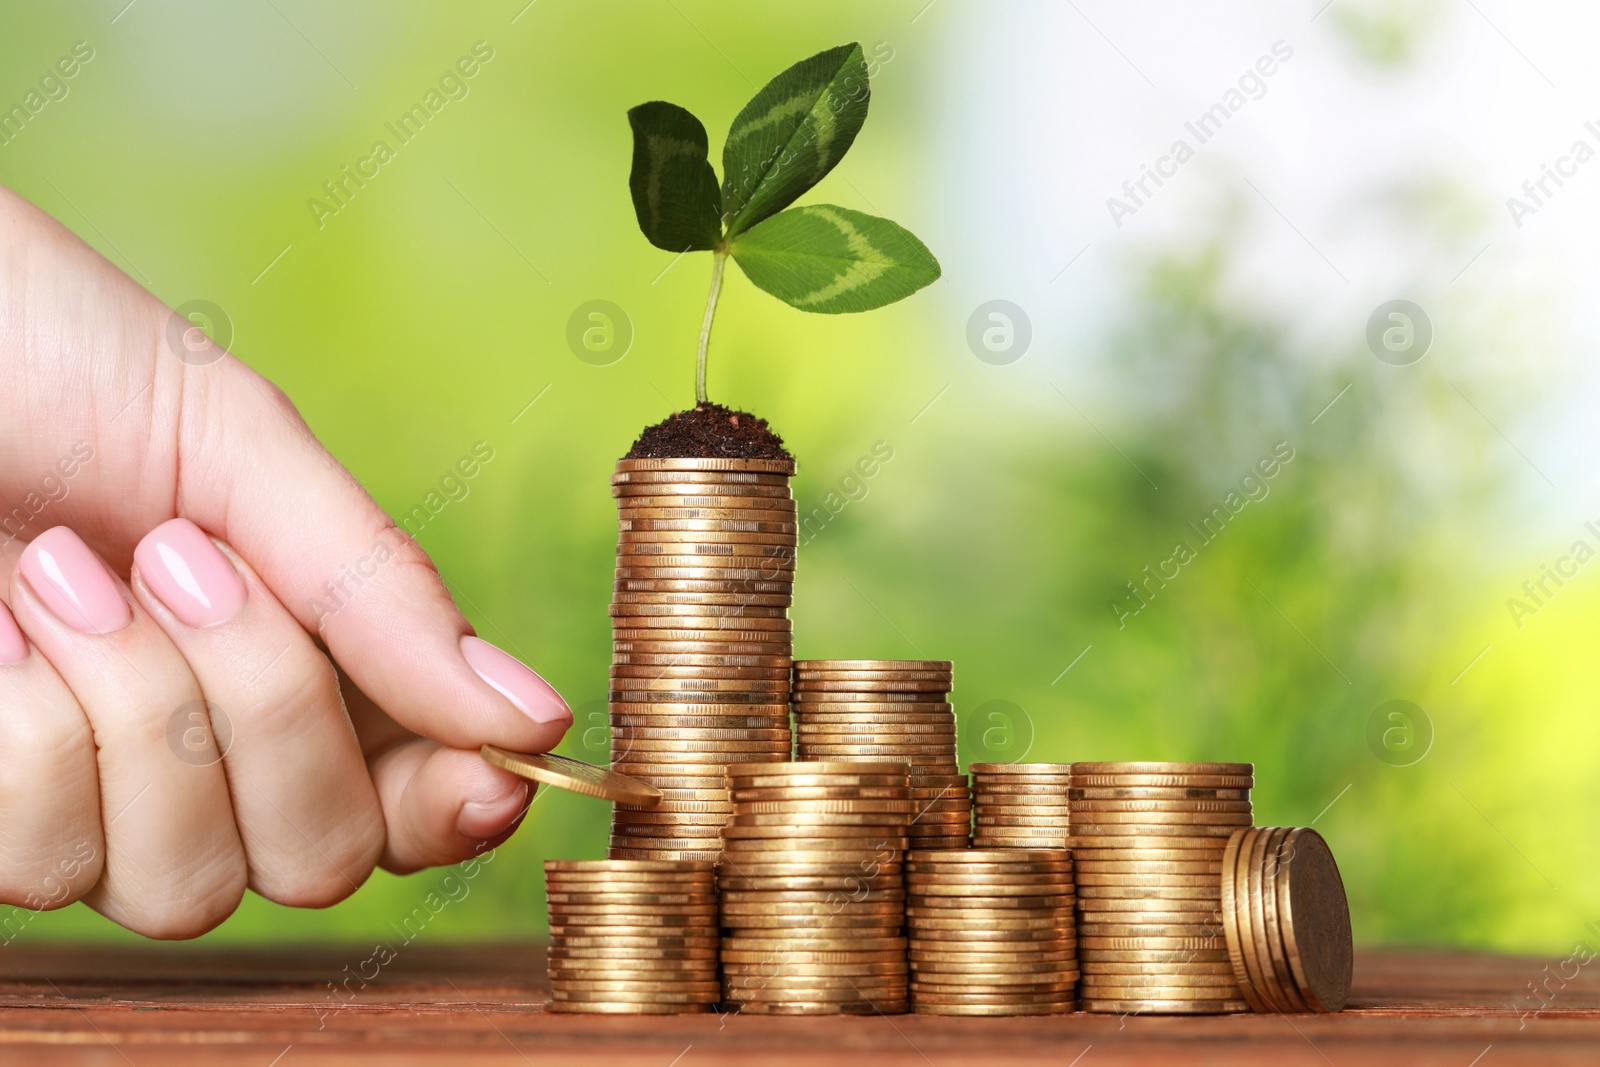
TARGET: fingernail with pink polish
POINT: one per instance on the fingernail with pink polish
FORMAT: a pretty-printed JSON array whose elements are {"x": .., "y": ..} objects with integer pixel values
[
  {"x": 480, "y": 819},
  {"x": 73, "y": 583},
  {"x": 13, "y": 646},
  {"x": 532, "y": 695},
  {"x": 187, "y": 572}
]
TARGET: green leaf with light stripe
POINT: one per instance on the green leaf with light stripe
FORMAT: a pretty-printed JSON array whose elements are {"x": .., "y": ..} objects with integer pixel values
[
  {"x": 675, "y": 191},
  {"x": 833, "y": 260},
  {"x": 792, "y": 133}
]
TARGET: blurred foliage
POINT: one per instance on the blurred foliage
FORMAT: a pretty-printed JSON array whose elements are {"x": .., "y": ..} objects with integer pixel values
[{"x": 428, "y": 313}]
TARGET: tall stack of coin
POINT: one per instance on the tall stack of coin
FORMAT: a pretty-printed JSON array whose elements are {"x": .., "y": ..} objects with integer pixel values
[
  {"x": 1286, "y": 920},
  {"x": 991, "y": 932},
  {"x": 632, "y": 938},
  {"x": 881, "y": 709},
  {"x": 1148, "y": 841},
  {"x": 812, "y": 900},
  {"x": 701, "y": 639},
  {"x": 1020, "y": 805}
]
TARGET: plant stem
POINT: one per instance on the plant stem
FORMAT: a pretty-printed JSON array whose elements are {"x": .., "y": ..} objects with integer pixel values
[{"x": 719, "y": 258}]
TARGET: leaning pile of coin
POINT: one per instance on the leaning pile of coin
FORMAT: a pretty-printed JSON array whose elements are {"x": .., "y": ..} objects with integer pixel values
[
  {"x": 991, "y": 932},
  {"x": 1286, "y": 920},
  {"x": 632, "y": 937},
  {"x": 701, "y": 640},
  {"x": 1148, "y": 840},
  {"x": 812, "y": 899},
  {"x": 883, "y": 709},
  {"x": 1020, "y": 805}
]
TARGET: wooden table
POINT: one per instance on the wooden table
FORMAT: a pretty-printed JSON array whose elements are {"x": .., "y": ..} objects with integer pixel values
[{"x": 431, "y": 1005}]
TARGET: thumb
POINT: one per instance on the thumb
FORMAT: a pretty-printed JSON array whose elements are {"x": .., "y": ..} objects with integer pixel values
[{"x": 253, "y": 474}]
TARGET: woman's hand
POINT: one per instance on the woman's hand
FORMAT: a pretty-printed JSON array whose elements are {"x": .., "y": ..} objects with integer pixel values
[{"x": 175, "y": 543}]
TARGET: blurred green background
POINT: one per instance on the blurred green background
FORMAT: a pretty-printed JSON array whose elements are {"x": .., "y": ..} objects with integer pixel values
[{"x": 431, "y": 310}]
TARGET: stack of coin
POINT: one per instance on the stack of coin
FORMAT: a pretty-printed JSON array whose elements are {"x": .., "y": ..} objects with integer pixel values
[
  {"x": 1148, "y": 841},
  {"x": 1020, "y": 805},
  {"x": 701, "y": 641},
  {"x": 991, "y": 932},
  {"x": 812, "y": 899},
  {"x": 632, "y": 938},
  {"x": 1286, "y": 920},
  {"x": 881, "y": 709}
]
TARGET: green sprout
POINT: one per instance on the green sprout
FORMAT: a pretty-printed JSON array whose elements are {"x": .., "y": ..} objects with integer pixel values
[{"x": 818, "y": 257}]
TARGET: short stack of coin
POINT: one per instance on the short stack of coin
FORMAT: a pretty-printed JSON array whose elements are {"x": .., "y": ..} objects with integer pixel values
[
  {"x": 701, "y": 640},
  {"x": 991, "y": 932},
  {"x": 1286, "y": 920},
  {"x": 1020, "y": 805},
  {"x": 1148, "y": 841},
  {"x": 813, "y": 905},
  {"x": 879, "y": 709},
  {"x": 631, "y": 937}
]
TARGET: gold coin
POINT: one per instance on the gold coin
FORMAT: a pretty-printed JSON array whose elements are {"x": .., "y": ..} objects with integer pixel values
[
  {"x": 847, "y": 897},
  {"x": 832, "y": 699},
  {"x": 675, "y": 516},
  {"x": 844, "y": 806},
  {"x": 572, "y": 775},
  {"x": 867, "y": 729},
  {"x": 851, "y": 773},
  {"x": 742, "y": 944},
  {"x": 662, "y": 710},
  {"x": 655, "y": 992},
  {"x": 1192, "y": 852},
  {"x": 1192, "y": 842},
  {"x": 1204, "y": 929},
  {"x": 696, "y": 733},
  {"x": 1155, "y": 958},
  {"x": 689, "y": 494},
  {"x": 948, "y": 999},
  {"x": 877, "y": 924},
  {"x": 558, "y": 898},
  {"x": 1011, "y": 886},
  {"x": 1276, "y": 952},
  {"x": 799, "y": 794},
  {"x": 1186, "y": 805},
  {"x": 727, "y": 468},
  {"x": 1162, "y": 1007},
  {"x": 1251, "y": 916},
  {"x": 1159, "y": 793},
  {"x": 1101, "y": 827},
  {"x": 719, "y": 481},
  {"x": 907, "y": 691},
  {"x": 1143, "y": 969},
  {"x": 653, "y": 939},
  {"x": 768, "y": 647},
  {"x": 660, "y": 853},
  {"x": 741, "y": 603},
  {"x": 805, "y": 671},
  {"x": 769, "y": 586},
  {"x": 923, "y": 870},
  {"x": 876, "y": 664},
  {"x": 855, "y": 710},
  {"x": 966, "y": 938},
  {"x": 1158, "y": 981},
  {"x": 581, "y": 1007},
  {"x": 1199, "y": 822},
  {"x": 696, "y": 671},
  {"x": 1315, "y": 917},
  {"x": 711, "y": 663},
  {"x": 992, "y": 920},
  {"x": 737, "y": 719},
  {"x": 630, "y": 613},
  {"x": 1216, "y": 943},
  {"x": 749, "y": 855},
  {"x": 1126, "y": 878},
  {"x": 981, "y": 860},
  {"x": 736, "y": 912},
  {"x": 803, "y": 1007},
  {"x": 614, "y": 867},
  {"x": 1047, "y": 1007},
  {"x": 1209, "y": 891},
  {"x": 1052, "y": 957},
  {"x": 987, "y": 819},
  {"x": 933, "y": 904},
  {"x": 1162, "y": 767},
  {"x": 629, "y": 957},
  {"x": 737, "y": 831},
  {"x": 1178, "y": 994},
  {"x": 718, "y": 573},
  {"x": 679, "y": 926},
  {"x": 697, "y": 541},
  {"x": 1167, "y": 781},
  {"x": 639, "y": 749},
  {"x": 633, "y": 969},
  {"x": 1136, "y": 869},
  {"x": 631, "y": 882},
  {"x": 665, "y": 914},
  {"x": 780, "y": 969},
  {"x": 1050, "y": 770},
  {"x": 715, "y": 567}
]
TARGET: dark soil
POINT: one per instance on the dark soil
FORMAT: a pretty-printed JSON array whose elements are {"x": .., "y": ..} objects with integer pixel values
[{"x": 709, "y": 431}]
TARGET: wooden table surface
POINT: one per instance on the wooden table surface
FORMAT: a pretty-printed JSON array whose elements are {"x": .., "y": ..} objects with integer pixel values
[{"x": 482, "y": 1005}]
